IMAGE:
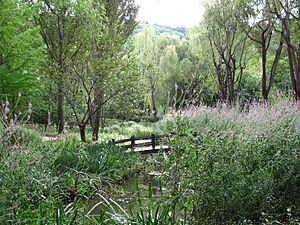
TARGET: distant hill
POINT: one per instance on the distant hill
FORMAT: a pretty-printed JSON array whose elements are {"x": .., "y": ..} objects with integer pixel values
[{"x": 180, "y": 31}]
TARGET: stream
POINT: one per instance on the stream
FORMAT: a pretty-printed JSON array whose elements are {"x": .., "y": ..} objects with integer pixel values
[{"x": 127, "y": 194}]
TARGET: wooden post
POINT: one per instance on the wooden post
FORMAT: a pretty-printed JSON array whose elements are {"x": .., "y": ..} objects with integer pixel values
[
  {"x": 132, "y": 141},
  {"x": 153, "y": 141}
]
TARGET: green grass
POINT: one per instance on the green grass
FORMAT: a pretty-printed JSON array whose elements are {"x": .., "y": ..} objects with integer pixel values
[
  {"x": 48, "y": 177},
  {"x": 105, "y": 160},
  {"x": 130, "y": 128}
]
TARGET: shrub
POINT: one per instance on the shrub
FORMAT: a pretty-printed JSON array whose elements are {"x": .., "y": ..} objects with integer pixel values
[
  {"x": 240, "y": 166},
  {"x": 27, "y": 136}
]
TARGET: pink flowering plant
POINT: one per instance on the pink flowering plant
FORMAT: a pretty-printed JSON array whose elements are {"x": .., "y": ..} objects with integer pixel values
[
  {"x": 236, "y": 163},
  {"x": 10, "y": 121}
]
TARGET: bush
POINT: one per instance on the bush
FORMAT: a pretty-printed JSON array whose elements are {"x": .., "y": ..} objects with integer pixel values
[
  {"x": 27, "y": 136},
  {"x": 240, "y": 166}
]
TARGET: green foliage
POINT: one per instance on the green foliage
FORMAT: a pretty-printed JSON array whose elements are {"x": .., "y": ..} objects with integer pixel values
[
  {"x": 38, "y": 185},
  {"x": 105, "y": 160},
  {"x": 22, "y": 49},
  {"x": 159, "y": 29},
  {"x": 147, "y": 210},
  {"x": 239, "y": 166},
  {"x": 155, "y": 211},
  {"x": 27, "y": 136},
  {"x": 130, "y": 128}
]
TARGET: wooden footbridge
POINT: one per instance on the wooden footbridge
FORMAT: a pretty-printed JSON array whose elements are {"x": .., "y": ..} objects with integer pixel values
[
  {"x": 145, "y": 145},
  {"x": 148, "y": 144}
]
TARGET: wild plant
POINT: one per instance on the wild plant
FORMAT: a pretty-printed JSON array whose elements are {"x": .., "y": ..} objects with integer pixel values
[
  {"x": 241, "y": 165},
  {"x": 10, "y": 120}
]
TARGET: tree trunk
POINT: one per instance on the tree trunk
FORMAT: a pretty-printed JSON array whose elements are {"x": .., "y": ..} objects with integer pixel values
[
  {"x": 97, "y": 116},
  {"x": 298, "y": 75},
  {"x": 103, "y": 121},
  {"x": 60, "y": 100},
  {"x": 49, "y": 108},
  {"x": 82, "y": 132},
  {"x": 60, "y": 110},
  {"x": 275, "y": 63},
  {"x": 1, "y": 59},
  {"x": 231, "y": 70},
  {"x": 153, "y": 104},
  {"x": 264, "y": 72}
]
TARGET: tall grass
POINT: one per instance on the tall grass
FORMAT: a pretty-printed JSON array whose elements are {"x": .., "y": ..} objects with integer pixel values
[
  {"x": 130, "y": 128},
  {"x": 50, "y": 183},
  {"x": 242, "y": 165},
  {"x": 105, "y": 160}
]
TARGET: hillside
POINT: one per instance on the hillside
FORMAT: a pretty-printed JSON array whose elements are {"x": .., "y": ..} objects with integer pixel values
[{"x": 180, "y": 31}]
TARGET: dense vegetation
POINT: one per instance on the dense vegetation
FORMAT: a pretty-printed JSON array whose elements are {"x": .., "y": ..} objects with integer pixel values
[
  {"x": 239, "y": 165},
  {"x": 76, "y": 74}
]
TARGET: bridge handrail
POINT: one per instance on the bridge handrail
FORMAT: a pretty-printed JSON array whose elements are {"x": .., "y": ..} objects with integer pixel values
[{"x": 155, "y": 141}]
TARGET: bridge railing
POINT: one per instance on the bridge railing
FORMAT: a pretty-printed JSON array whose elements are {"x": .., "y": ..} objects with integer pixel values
[{"x": 147, "y": 144}]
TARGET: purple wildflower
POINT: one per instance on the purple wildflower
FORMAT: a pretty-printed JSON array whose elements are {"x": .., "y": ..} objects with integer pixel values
[{"x": 6, "y": 110}]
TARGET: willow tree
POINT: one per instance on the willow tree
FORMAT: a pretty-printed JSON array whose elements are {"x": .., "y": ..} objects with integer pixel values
[{"x": 148, "y": 54}]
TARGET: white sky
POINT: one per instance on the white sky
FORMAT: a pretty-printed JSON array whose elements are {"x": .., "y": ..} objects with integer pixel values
[{"x": 178, "y": 13}]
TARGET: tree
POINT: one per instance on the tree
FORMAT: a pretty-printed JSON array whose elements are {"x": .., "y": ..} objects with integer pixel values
[
  {"x": 21, "y": 50},
  {"x": 119, "y": 23},
  {"x": 288, "y": 13},
  {"x": 227, "y": 46},
  {"x": 82, "y": 85},
  {"x": 262, "y": 32},
  {"x": 148, "y": 53},
  {"x": 60, "y": 23}
]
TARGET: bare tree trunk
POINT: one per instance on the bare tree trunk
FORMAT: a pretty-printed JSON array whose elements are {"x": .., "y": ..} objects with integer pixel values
[
  {"x": 97, "y": 116},
  {"x": 292, "y": 70},
  {"x": 82, "y": 132},
  {"x": 264, "y": 72},
  {"x": 103, "y": 119},
  {"x": 153, "y": 104},
  {"x": 231, "y": 74},
  {"x": 291, "y": 56},
  {"x": 275, "y": 63},
  {"x": 60, "y": 98}
]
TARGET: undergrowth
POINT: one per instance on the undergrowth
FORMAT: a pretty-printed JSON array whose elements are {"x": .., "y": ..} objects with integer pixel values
[
  {"x": 233, "y": 166},
  {"x": 35, "y": 185}
]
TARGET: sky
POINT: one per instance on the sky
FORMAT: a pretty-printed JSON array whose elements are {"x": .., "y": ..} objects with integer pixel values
[{"x": 176, "y": 13}]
